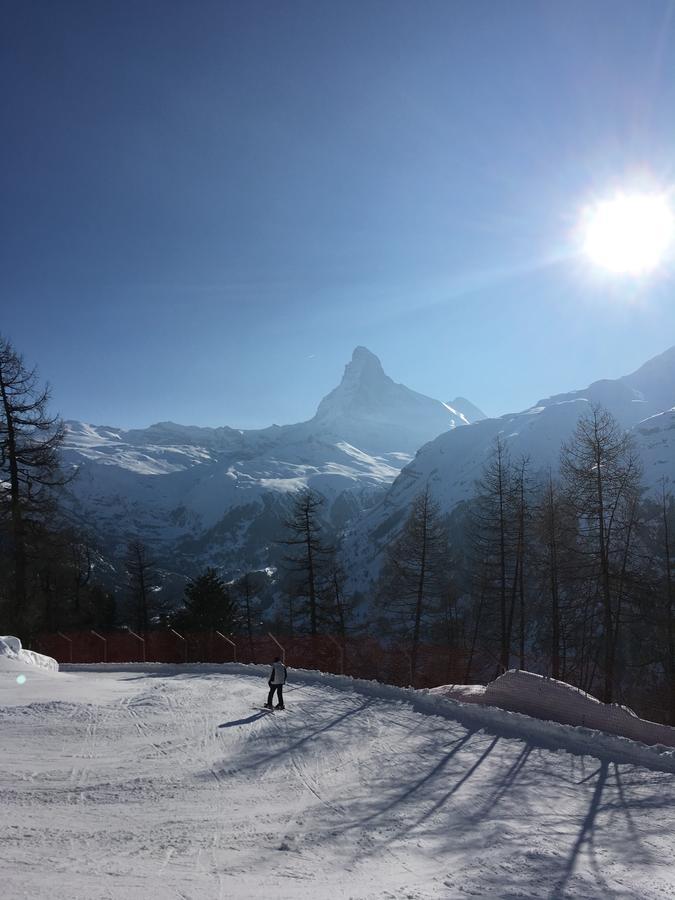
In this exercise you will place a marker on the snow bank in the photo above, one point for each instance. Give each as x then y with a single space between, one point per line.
580 740
467 693
12 651
575 738
556 701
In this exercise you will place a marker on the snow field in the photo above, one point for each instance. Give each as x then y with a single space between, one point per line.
162 782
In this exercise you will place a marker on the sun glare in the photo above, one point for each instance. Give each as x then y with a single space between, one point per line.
630 234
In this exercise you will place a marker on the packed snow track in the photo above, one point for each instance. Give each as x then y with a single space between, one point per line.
166 782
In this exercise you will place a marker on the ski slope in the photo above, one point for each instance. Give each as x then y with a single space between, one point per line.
164 782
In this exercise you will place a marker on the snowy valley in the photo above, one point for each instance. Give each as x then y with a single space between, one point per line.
218 496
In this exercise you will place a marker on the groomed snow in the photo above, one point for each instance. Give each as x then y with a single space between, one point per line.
164 781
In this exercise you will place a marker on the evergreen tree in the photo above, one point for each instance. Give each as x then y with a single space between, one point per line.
209 605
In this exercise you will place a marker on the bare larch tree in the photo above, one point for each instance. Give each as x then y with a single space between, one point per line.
601 474
307 550
30 439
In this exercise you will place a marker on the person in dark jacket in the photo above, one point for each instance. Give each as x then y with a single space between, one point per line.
276 682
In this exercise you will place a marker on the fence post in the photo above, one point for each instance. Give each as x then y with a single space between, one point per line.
182 639
105 644
283 652
232 644
141 639
342 652
70 643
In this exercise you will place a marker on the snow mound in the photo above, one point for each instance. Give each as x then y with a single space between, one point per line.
555 701
12 651
12 642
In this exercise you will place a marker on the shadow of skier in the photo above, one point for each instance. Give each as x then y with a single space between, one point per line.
246 721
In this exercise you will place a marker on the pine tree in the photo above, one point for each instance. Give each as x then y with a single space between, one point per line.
209 605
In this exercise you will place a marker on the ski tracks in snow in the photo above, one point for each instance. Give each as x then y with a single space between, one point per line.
168 786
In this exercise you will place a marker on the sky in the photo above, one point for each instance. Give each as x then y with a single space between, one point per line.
207 205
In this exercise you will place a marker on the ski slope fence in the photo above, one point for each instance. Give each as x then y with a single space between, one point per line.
365 657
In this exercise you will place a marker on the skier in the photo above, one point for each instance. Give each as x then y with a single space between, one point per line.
276 683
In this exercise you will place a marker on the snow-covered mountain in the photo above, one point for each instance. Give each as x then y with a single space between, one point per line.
643 402
217 495
466 410
369 410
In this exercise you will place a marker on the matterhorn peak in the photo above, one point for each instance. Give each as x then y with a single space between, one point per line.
371 411
363 365
363 356
363 388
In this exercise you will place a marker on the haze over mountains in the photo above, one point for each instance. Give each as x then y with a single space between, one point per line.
218 496
642 402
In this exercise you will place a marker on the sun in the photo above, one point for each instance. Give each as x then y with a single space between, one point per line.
629 234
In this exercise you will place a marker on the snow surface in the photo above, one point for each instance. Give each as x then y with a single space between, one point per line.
164 781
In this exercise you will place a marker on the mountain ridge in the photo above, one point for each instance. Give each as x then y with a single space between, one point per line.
449 465
224 491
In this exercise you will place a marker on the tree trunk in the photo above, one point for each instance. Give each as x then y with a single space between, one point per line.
670 619
505 649
249 624
608 625
553 568
339 607
474 638
419 602
310 577
18 532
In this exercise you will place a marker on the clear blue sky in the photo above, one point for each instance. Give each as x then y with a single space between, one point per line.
207 205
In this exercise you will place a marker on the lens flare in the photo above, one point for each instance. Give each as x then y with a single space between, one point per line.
20 679
629 234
